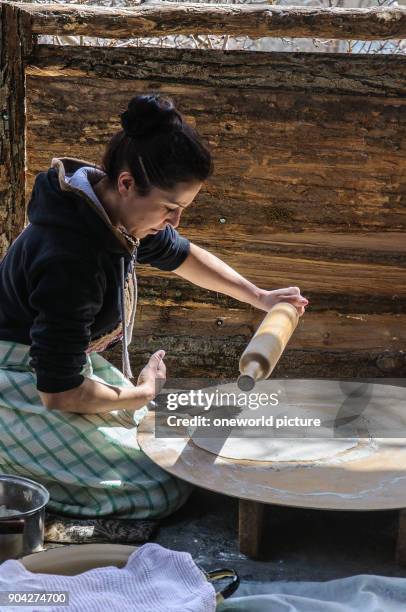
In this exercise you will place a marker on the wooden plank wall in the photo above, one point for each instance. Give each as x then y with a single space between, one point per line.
310 182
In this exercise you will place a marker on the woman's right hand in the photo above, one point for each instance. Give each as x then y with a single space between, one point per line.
153 376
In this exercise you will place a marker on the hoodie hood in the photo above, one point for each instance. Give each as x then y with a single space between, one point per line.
56 202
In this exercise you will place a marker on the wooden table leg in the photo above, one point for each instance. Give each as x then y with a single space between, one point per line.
401 539
251 527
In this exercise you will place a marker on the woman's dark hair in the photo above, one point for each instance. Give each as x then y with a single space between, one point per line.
157 146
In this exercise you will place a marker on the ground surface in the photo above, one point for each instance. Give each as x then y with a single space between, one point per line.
306 545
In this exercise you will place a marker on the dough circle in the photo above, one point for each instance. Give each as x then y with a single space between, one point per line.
282 449
270 445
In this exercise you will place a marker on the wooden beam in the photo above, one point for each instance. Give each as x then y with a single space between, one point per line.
382 248
167 290
327 330
334 277
401 539
335 73
15 46
254 21
210 357
251 527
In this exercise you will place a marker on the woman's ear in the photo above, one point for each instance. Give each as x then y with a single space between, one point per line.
125 183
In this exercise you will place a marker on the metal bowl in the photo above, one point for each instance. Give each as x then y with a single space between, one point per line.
21 533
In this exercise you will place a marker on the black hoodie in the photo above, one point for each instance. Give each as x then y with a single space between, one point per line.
60 279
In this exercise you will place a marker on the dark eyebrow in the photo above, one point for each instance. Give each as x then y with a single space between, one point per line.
176 204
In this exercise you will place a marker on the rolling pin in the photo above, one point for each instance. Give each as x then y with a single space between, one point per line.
267 345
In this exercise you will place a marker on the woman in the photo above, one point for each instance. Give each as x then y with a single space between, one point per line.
68 418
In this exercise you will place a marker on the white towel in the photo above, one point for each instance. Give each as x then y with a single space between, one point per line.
154 579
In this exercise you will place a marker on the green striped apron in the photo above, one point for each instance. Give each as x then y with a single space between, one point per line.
90 463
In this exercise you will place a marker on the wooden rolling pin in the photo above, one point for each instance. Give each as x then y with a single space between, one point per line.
267 345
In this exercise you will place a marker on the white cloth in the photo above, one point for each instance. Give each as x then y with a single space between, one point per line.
361 593
154 579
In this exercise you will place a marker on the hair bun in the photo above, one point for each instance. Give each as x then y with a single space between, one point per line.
149 114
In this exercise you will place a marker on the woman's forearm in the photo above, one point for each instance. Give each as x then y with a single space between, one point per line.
93 397
208 271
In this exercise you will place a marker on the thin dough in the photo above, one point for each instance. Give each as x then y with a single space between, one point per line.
303 445
286 449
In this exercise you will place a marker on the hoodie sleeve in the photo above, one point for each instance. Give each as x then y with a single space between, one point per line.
166 250
66 295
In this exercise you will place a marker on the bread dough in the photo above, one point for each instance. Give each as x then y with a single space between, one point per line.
283 449
272 444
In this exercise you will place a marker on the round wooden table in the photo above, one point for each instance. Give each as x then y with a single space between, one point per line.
373 478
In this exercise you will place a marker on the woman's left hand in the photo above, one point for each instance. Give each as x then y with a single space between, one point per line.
267 299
